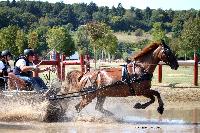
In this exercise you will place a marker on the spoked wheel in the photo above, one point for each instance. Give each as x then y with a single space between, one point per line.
54 112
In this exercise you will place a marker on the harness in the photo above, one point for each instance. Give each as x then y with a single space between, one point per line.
18 71
134 78
125 79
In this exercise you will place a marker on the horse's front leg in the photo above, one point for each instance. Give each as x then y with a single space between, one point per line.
99 106
150 94
143 106
160 108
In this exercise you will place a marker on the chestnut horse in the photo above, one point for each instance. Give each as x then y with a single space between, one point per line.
132 79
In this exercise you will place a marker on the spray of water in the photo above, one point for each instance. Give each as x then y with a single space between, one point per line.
19 108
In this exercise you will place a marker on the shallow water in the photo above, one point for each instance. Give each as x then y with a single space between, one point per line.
21 117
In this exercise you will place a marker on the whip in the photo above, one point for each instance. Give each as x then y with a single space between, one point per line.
49 52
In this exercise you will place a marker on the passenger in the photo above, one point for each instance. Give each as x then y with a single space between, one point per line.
5 67
1 78
24 68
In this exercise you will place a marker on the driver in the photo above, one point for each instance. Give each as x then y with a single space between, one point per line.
24 68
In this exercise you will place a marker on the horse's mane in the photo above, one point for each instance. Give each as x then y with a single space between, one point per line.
147 49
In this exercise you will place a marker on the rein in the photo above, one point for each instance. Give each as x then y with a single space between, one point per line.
149 64
83 92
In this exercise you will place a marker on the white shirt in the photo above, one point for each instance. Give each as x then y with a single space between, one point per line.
2 66
21 63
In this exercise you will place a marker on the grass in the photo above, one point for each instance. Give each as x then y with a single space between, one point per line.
184 75
124 37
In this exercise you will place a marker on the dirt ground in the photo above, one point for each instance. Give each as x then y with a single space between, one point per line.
183 94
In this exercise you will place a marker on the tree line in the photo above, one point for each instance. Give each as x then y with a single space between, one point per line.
42 25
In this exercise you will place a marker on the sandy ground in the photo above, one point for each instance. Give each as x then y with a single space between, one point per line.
179 95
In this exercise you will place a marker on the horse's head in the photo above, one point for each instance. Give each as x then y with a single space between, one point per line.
167 56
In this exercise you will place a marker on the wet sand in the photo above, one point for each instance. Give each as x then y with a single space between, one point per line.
182 114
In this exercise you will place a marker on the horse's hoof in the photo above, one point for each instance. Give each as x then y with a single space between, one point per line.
137 106
160 110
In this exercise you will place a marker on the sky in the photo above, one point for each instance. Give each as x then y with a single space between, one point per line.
141 4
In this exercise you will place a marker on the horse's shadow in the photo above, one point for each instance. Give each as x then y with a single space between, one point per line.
106 113
175 85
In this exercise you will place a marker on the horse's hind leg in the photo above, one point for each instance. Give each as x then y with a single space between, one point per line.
160 108
99 106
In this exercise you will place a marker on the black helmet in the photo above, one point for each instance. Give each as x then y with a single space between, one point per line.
5 53
28 52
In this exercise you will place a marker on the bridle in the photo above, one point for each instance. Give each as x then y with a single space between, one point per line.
165 52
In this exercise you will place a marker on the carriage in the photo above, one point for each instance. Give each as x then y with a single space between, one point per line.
131 79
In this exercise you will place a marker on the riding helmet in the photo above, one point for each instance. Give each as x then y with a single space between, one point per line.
29 52
6 53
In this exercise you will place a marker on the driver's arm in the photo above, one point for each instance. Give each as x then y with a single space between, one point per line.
27 68
22 65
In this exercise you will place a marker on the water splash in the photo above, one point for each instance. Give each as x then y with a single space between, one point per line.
22 109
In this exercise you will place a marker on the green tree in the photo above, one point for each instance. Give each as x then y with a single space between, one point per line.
177 26
21 41
81 40
190 36
67 15
158 33
7 39
147 14
59 38
42 44
100 17
158 15
33 41
57 8
101 36
108 44
120 10
91 8
81 13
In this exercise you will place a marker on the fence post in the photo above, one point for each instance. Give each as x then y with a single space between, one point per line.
58 66
62 68
195 69
82 63
160 73
87 57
